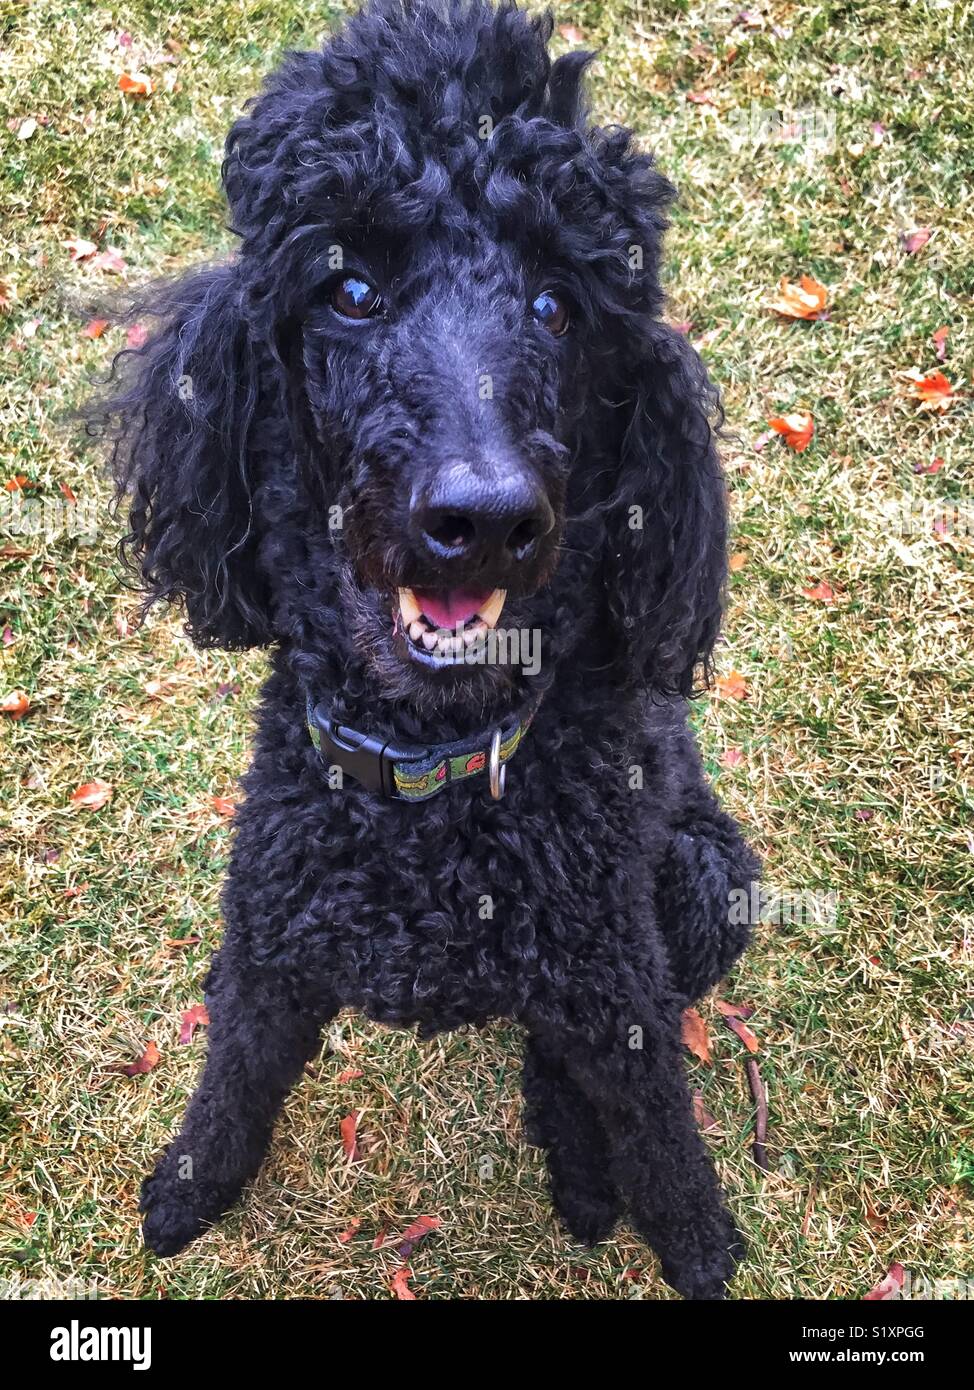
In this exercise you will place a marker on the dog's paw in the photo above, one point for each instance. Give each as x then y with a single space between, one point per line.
705 1266
176 1209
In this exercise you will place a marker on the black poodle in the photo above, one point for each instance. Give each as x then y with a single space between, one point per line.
426 437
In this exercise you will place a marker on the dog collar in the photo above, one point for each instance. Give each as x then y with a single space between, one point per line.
405 773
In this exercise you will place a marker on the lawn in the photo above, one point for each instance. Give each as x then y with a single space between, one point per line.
815 140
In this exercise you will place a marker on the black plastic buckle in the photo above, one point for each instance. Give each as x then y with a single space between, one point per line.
370 761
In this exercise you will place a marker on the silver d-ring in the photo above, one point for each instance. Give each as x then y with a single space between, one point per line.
498 772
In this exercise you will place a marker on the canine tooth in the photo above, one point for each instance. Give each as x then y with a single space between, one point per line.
430 639
449 646
491 610
408 607
416 630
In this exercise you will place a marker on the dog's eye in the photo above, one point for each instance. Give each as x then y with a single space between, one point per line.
355 298
551 312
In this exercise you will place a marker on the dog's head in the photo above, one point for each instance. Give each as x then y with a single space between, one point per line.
431 395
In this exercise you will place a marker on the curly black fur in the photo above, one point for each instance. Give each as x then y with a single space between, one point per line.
256 411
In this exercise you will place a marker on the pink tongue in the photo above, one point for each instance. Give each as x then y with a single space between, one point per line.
447 607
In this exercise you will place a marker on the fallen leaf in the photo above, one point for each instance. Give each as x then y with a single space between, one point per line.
806 300
737 561
731 687
888 1287
17 483
821 592
137 336
146 1062
93 795
733 1010
345 1236
763 440
416 1232
95 328
864 813
797 429
349 1074
915 241
190 1020
81 249
731 757
380 1239
16 704
135 84
875 1222
349 1133
78 891
695 1036
931 389
111 261
701 1114
8 637
701 99
6 297
939 339
67 491
224 806
400 1284
571 33
29 329
743 1032
27 128
934 466
181 942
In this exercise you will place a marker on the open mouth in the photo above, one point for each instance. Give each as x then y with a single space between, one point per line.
447 627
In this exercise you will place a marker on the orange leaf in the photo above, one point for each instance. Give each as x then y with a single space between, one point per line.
67 491
701 1114
731 757
400 1284
821 592
806 300
17 483
931 389
146 1062
695 1035
939 339
743 1032
16 704
224 806
416 1232
349 1132
737 561
93 795
734 1010
95 328
136 84
797 429
196 1017
349 1074
888 1287
346 1235
732 687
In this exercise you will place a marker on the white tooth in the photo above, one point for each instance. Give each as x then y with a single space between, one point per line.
430 640
449 646
473 634
408 606
416 630
491 610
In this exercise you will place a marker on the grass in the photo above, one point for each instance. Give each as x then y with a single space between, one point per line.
850 757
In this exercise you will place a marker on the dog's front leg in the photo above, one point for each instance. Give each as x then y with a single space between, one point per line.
260 1037
560 1118
625 1056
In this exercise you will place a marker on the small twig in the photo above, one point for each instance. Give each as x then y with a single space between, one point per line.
761 1120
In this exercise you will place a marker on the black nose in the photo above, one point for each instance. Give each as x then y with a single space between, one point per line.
491 516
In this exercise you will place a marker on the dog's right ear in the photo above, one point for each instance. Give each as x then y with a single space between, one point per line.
183 458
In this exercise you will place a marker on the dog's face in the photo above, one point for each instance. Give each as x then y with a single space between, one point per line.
448 290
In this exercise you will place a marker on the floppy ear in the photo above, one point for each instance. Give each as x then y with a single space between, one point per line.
183 456
666 542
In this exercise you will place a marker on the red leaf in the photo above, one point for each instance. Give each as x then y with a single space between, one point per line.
346 1235
400 1284
939 340
917 240
135 84
797 428
67 492
413 1234
821 592
146 1062
93 795
734 1010
349 1074
934 466
888 1287
695 1036
743 1032
95 328
731 757
196 1017
349 1132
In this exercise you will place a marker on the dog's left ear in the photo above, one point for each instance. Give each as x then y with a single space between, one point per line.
665 558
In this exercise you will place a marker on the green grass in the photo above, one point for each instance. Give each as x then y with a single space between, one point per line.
856 776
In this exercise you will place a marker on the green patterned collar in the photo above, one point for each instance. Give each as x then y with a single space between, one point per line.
404 773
